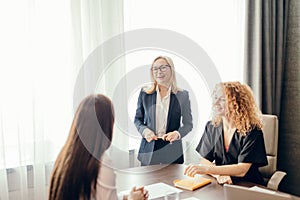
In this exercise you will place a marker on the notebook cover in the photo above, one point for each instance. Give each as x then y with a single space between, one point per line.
191 184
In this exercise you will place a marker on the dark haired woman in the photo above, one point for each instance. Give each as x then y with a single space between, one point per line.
81 170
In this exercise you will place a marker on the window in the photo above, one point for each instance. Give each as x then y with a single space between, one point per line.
216 26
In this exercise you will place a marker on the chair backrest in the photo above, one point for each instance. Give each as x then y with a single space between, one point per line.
270 130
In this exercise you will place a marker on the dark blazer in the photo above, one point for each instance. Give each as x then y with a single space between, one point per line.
179 109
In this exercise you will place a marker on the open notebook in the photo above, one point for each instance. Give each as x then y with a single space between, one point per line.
192 183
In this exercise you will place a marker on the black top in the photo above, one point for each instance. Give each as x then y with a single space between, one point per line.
242 149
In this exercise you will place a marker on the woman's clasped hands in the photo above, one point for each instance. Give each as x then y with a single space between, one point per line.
138 193
171 136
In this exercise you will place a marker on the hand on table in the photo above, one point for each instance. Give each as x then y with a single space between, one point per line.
138 194
222 179
192 170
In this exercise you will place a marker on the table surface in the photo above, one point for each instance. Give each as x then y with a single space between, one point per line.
146 175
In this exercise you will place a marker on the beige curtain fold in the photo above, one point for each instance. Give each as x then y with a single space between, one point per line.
272 69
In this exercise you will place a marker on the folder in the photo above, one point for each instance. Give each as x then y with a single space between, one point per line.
191 183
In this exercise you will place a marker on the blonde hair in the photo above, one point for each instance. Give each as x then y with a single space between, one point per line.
241 108
152 88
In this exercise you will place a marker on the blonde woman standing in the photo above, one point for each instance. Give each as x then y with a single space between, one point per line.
160 110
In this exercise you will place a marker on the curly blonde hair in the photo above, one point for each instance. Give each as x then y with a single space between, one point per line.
241 108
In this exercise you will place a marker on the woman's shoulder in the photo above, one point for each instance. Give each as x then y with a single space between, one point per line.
210 124
182 94
256 130
254 133
212 132
212 128
145 90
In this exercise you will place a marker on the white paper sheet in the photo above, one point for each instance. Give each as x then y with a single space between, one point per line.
157 190
262 190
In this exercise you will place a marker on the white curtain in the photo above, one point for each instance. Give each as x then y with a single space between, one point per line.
43 47
99 51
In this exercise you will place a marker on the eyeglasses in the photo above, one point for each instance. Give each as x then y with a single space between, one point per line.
161 68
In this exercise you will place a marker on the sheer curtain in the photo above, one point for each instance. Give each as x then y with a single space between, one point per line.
35 94
99 50
43 46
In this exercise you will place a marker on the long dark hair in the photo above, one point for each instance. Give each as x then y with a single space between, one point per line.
75 172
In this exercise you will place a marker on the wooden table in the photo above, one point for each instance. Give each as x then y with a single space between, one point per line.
146 175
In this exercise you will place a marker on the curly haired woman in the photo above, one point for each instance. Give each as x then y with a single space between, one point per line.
232 146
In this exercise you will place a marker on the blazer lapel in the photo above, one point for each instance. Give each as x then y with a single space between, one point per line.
172 99
153 111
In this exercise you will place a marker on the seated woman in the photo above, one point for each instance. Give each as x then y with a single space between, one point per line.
81 170
232 146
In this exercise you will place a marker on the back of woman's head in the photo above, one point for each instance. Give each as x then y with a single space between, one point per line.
93 122
76 169
241 107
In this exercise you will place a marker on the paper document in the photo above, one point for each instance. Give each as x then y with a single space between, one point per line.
157 190
259 189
